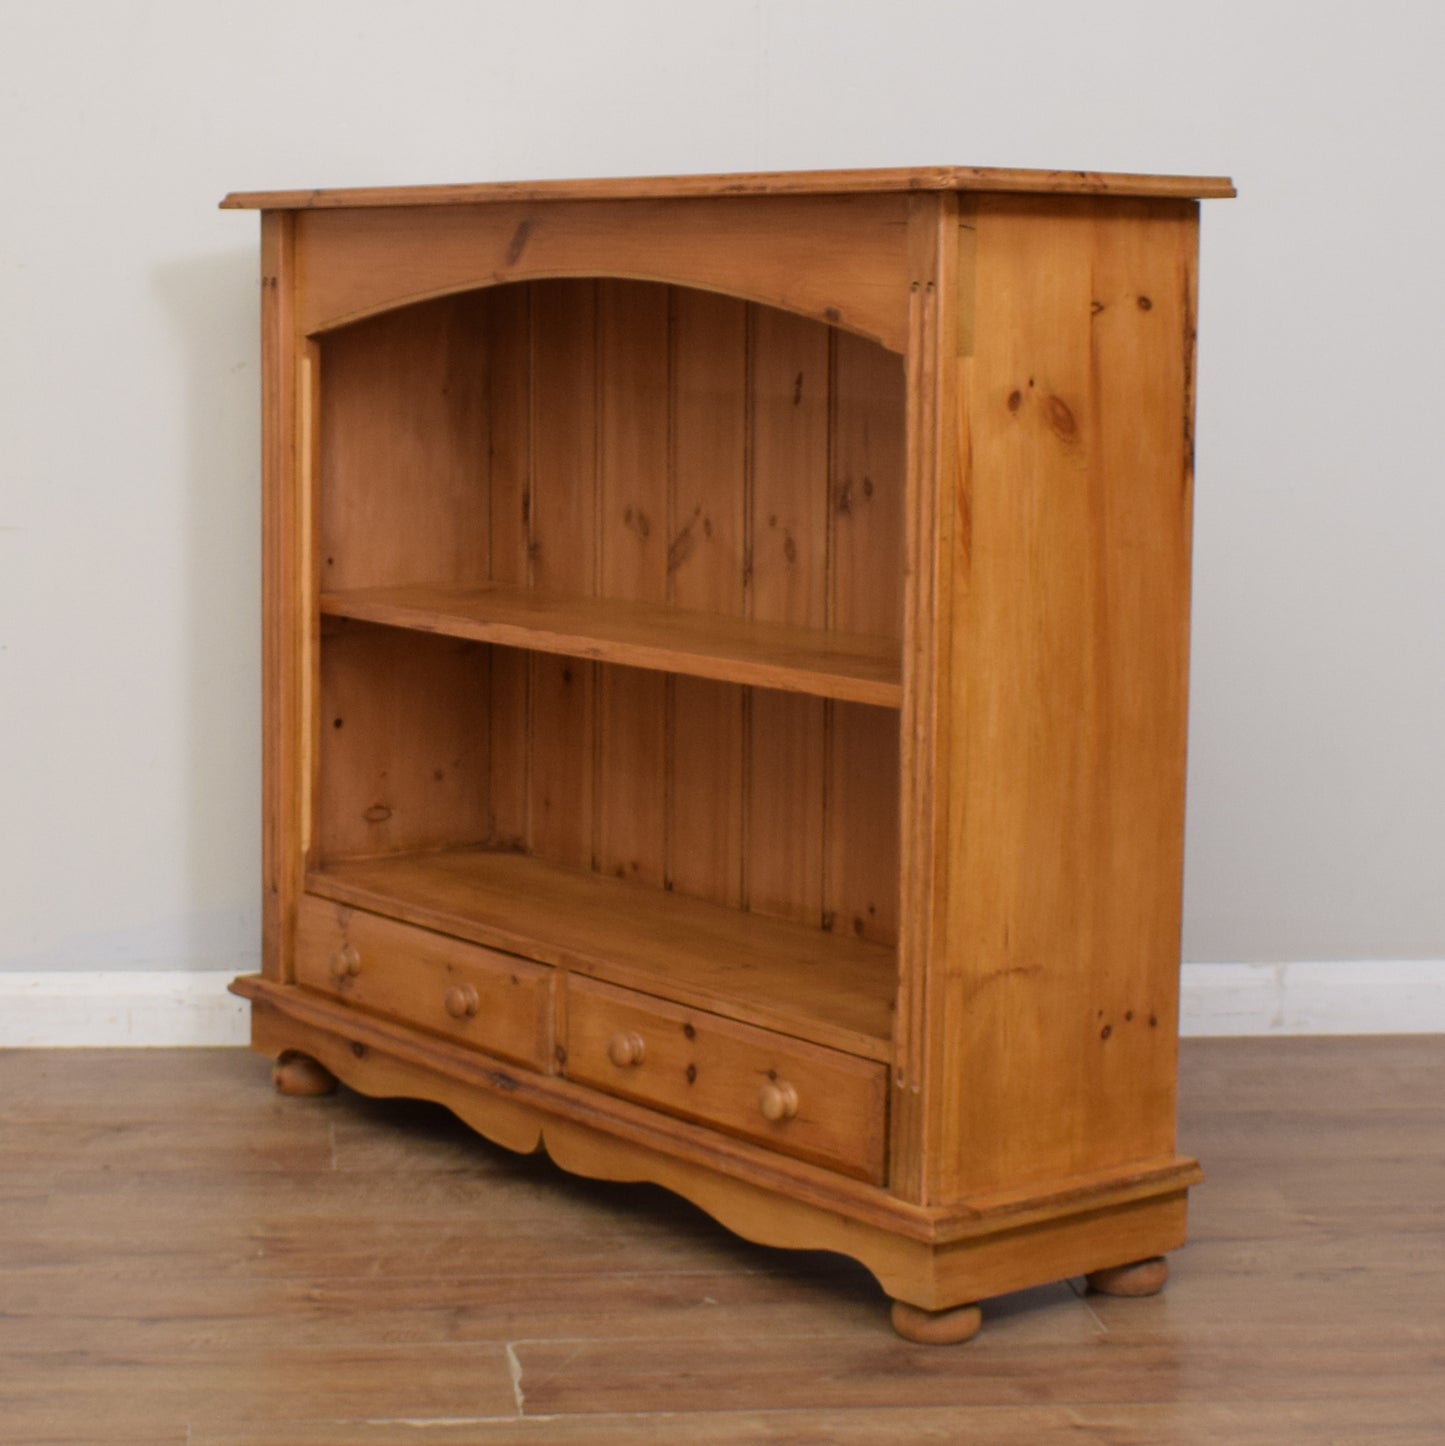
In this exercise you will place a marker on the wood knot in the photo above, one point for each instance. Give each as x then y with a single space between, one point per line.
519 241
1061 417
682 548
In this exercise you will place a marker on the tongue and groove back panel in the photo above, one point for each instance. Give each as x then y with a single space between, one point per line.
635 441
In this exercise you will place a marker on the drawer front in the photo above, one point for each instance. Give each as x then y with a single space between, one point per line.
492 1001
799 1098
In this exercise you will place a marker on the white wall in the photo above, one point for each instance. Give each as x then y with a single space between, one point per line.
129 830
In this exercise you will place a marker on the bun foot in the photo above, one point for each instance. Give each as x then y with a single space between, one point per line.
936 1327
298 1074
1143 1277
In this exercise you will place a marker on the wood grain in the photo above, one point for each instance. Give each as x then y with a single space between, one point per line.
508 323
788 584
707 571
1068 827
936 562
641 634
404 450
765 183
704 1068
404 734
835 259
392 970
633 504
866 515
562 553
284 781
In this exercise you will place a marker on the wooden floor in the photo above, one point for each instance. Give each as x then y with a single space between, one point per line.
187 1257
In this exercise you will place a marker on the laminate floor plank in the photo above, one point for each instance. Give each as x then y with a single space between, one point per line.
569 1378
187 1257
84 1397
176 1316
1395 1424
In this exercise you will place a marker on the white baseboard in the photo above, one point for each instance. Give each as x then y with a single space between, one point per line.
1350 996
60 1008
191 1007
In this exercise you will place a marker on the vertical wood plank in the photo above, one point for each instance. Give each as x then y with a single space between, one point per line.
1068 812
403 448
706 567
404 758
936 545
282 778
1141 497
508 337
861 837
788 583
785 806
706 560
308 467
866 563
509 341
789 524
562 557
865 575
632 321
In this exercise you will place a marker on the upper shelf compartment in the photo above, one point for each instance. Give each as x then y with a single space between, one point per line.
642 635
649 475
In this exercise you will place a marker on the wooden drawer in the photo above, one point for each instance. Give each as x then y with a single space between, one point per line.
808 1101
495 1002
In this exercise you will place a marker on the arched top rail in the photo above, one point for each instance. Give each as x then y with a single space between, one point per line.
839 259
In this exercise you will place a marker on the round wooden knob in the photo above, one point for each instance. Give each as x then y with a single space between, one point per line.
778 1100
626 1050
345 962
461 1001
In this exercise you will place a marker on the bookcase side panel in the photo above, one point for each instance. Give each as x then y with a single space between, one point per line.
1054 1054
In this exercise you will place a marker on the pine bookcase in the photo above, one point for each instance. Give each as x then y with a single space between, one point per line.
726 647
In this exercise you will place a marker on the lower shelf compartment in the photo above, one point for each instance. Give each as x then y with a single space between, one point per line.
830 989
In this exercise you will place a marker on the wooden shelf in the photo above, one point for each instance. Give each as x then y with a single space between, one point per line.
846 666
832 989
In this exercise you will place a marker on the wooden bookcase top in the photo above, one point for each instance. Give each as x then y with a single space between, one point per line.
759 183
